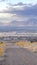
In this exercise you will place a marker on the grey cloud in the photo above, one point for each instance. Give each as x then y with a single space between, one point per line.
29 22
32 22
20 3
27 10
2 0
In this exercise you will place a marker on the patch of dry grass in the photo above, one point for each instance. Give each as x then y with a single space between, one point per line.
23 43
27 44
2 44
1 51
2 48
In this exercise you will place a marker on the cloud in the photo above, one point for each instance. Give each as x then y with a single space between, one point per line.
19 15
18 4
29 22
26 10
22 9
2 0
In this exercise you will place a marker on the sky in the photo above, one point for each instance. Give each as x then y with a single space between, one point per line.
24 1
18 13
17 1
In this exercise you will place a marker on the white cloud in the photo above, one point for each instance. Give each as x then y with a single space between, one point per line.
18 7
18 15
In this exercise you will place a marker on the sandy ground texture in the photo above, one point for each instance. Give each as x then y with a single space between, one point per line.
20 56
